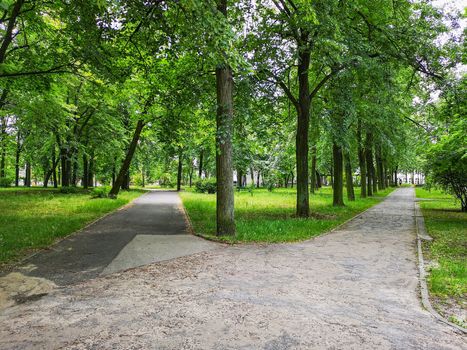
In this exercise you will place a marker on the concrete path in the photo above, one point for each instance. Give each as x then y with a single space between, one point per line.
355 288
152 228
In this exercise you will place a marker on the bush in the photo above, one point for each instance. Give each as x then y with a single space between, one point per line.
447 163
166 180
5 182
100 192
69 189
206 186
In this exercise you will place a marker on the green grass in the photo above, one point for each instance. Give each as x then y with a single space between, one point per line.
35 218
269 216
447 225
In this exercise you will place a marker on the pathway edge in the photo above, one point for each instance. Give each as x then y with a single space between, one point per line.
421 231
21 261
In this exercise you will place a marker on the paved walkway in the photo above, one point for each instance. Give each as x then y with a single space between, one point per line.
353 289
133 236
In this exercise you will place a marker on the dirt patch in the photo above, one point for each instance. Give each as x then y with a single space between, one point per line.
18 288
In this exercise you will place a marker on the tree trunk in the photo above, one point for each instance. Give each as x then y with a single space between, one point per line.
338 183
313 170
17 158
239 178
257 179
54 172
303 125
126 181
224 166
127 161
143 180
200 167
179 171
292 176
369 165
85 171
91 170
349 178
3 135
27 178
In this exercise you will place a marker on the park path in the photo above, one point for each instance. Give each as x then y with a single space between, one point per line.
355 288
152 228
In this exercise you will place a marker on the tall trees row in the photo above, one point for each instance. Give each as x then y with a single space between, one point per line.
290 92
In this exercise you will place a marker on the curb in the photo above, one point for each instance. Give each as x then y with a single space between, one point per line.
421 233
25 259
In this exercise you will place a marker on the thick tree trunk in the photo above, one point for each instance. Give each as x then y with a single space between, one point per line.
179 171
349 178
338 183
224 166
126 181
257 179
127 161
303 125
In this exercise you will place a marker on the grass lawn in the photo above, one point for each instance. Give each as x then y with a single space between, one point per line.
269 216
447 225
35 218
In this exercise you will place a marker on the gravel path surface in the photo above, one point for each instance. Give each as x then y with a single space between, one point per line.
353 289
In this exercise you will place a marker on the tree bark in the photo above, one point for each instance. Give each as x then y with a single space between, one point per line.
303 125
257 179
349 178
313 179
3 135
239 178
200 167
224 164
17 158
369 164
8 35
338 183
54 172
27 178
179 171
85 171
127 161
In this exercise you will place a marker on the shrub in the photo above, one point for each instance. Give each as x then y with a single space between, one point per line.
5 182
166 180
207 185
100 192
447 163
69 189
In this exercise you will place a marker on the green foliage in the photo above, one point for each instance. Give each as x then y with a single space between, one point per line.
167 180
5 181
447 162
206 186
100 192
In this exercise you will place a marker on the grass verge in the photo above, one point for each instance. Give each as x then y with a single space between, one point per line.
446 254
31 219
263 216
